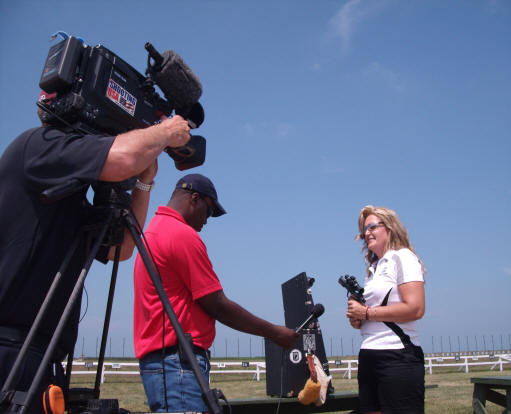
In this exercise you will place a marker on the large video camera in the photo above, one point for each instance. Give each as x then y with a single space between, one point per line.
98 92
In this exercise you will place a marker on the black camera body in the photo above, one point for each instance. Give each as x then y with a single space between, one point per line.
98 92
351 285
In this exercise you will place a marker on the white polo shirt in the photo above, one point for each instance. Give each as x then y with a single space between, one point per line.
393 269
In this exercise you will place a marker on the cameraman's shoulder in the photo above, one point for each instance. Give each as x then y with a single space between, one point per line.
20 142
29 132
43 132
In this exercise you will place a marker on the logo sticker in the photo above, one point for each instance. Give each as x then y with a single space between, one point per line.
295 356
309 342
121 97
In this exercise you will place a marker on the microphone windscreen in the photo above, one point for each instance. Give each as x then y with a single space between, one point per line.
177 81
318 310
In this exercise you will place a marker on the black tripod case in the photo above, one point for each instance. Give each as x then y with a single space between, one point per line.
113 209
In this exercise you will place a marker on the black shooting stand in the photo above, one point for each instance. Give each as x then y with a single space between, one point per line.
113 217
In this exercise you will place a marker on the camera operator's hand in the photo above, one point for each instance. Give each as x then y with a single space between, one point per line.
284 337
176 129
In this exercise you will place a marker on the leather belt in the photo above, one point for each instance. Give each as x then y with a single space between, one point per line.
174 349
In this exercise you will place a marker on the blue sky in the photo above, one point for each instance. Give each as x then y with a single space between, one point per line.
313 110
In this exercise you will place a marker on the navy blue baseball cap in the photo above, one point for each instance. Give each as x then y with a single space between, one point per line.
198 183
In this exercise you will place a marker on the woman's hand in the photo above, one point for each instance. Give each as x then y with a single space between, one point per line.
356 310
356 323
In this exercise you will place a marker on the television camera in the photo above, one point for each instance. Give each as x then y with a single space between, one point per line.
98 92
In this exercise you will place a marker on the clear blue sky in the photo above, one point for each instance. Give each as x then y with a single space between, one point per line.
313 110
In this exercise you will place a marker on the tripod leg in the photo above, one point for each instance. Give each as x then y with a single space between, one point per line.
40 314
106 324
65 315
69 368
209 396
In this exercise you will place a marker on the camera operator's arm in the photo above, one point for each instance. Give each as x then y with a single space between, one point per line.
134 151
224 310
139 206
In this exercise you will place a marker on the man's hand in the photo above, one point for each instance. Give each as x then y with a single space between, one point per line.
284 337
176 129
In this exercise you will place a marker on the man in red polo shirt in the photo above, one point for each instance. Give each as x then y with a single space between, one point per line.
196 296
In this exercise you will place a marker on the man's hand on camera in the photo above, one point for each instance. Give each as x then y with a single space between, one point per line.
284 337
176 129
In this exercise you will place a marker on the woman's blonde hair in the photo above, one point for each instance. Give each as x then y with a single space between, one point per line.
398 236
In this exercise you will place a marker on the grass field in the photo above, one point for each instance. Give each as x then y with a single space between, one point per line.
453 394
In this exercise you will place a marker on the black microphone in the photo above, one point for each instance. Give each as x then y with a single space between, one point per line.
182 89
317 311
177 81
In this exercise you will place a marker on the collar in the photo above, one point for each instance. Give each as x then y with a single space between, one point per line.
385 258
167 211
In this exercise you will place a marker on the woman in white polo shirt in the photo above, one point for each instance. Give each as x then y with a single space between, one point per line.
391 361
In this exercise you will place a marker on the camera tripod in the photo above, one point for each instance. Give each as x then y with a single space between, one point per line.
114 215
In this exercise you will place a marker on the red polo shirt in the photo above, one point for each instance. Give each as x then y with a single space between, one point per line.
187 275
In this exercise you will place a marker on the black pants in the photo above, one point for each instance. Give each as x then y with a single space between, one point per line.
54 374
391 381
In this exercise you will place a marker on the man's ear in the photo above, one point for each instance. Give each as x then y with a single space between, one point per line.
194 198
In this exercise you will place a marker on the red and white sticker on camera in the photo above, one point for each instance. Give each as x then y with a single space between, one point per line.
116 93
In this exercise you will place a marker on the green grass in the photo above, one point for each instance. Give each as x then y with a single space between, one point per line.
453 394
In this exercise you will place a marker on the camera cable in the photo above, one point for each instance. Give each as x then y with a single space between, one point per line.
281 379
86 303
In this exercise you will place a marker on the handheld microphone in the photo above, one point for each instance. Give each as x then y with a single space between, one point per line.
317 311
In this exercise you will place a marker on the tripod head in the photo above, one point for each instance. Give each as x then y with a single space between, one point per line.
109 196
